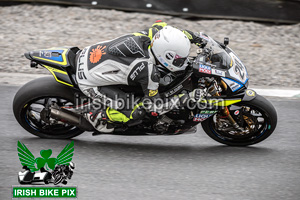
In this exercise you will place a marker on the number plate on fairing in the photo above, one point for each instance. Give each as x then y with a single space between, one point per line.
238 70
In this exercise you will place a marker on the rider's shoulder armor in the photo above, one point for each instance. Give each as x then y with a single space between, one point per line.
129 46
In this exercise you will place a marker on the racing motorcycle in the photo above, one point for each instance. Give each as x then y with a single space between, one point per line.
228 111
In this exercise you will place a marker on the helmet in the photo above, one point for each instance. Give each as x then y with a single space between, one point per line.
72 165
171 47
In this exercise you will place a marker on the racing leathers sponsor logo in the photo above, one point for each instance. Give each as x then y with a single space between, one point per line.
204 69
152 93
80 70
97 53
136 72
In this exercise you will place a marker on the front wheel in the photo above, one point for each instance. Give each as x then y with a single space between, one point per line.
258 117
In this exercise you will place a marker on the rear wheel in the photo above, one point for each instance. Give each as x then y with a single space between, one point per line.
37 95
258 117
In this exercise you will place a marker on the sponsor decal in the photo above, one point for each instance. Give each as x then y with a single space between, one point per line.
236 112
203 36
152 93
201 117
218 72
162 61
188 35
157 36
173 91
208 111
204 69
234 85
97 53
45 169
54 55
45 54
250 93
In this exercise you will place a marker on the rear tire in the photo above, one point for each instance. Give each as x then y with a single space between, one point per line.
261 104
42 88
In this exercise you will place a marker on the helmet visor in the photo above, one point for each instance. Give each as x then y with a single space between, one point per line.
178 61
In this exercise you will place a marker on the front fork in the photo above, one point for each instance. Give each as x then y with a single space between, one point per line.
213 89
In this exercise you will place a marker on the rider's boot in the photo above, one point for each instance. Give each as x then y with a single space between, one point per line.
100 121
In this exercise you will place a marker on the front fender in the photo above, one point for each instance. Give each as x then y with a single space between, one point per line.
222 101
249 95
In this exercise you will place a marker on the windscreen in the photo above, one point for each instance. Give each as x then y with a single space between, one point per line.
218 55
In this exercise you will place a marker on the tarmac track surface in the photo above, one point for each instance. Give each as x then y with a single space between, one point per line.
163 167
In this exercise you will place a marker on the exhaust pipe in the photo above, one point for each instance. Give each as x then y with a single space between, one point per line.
71 118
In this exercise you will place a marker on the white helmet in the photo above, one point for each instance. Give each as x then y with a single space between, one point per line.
171 48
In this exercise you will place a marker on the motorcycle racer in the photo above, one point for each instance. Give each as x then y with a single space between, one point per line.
131 60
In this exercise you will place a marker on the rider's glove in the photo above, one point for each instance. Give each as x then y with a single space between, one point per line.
196 38
196 94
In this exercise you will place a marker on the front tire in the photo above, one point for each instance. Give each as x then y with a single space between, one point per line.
270 121
34 91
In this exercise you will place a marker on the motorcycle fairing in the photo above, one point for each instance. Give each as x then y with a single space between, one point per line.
233 85
60 76
236 76
222 101
249 95
59 61
203 115
215 104
238 70
52 57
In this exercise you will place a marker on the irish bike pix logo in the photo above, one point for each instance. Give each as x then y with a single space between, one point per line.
46 169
